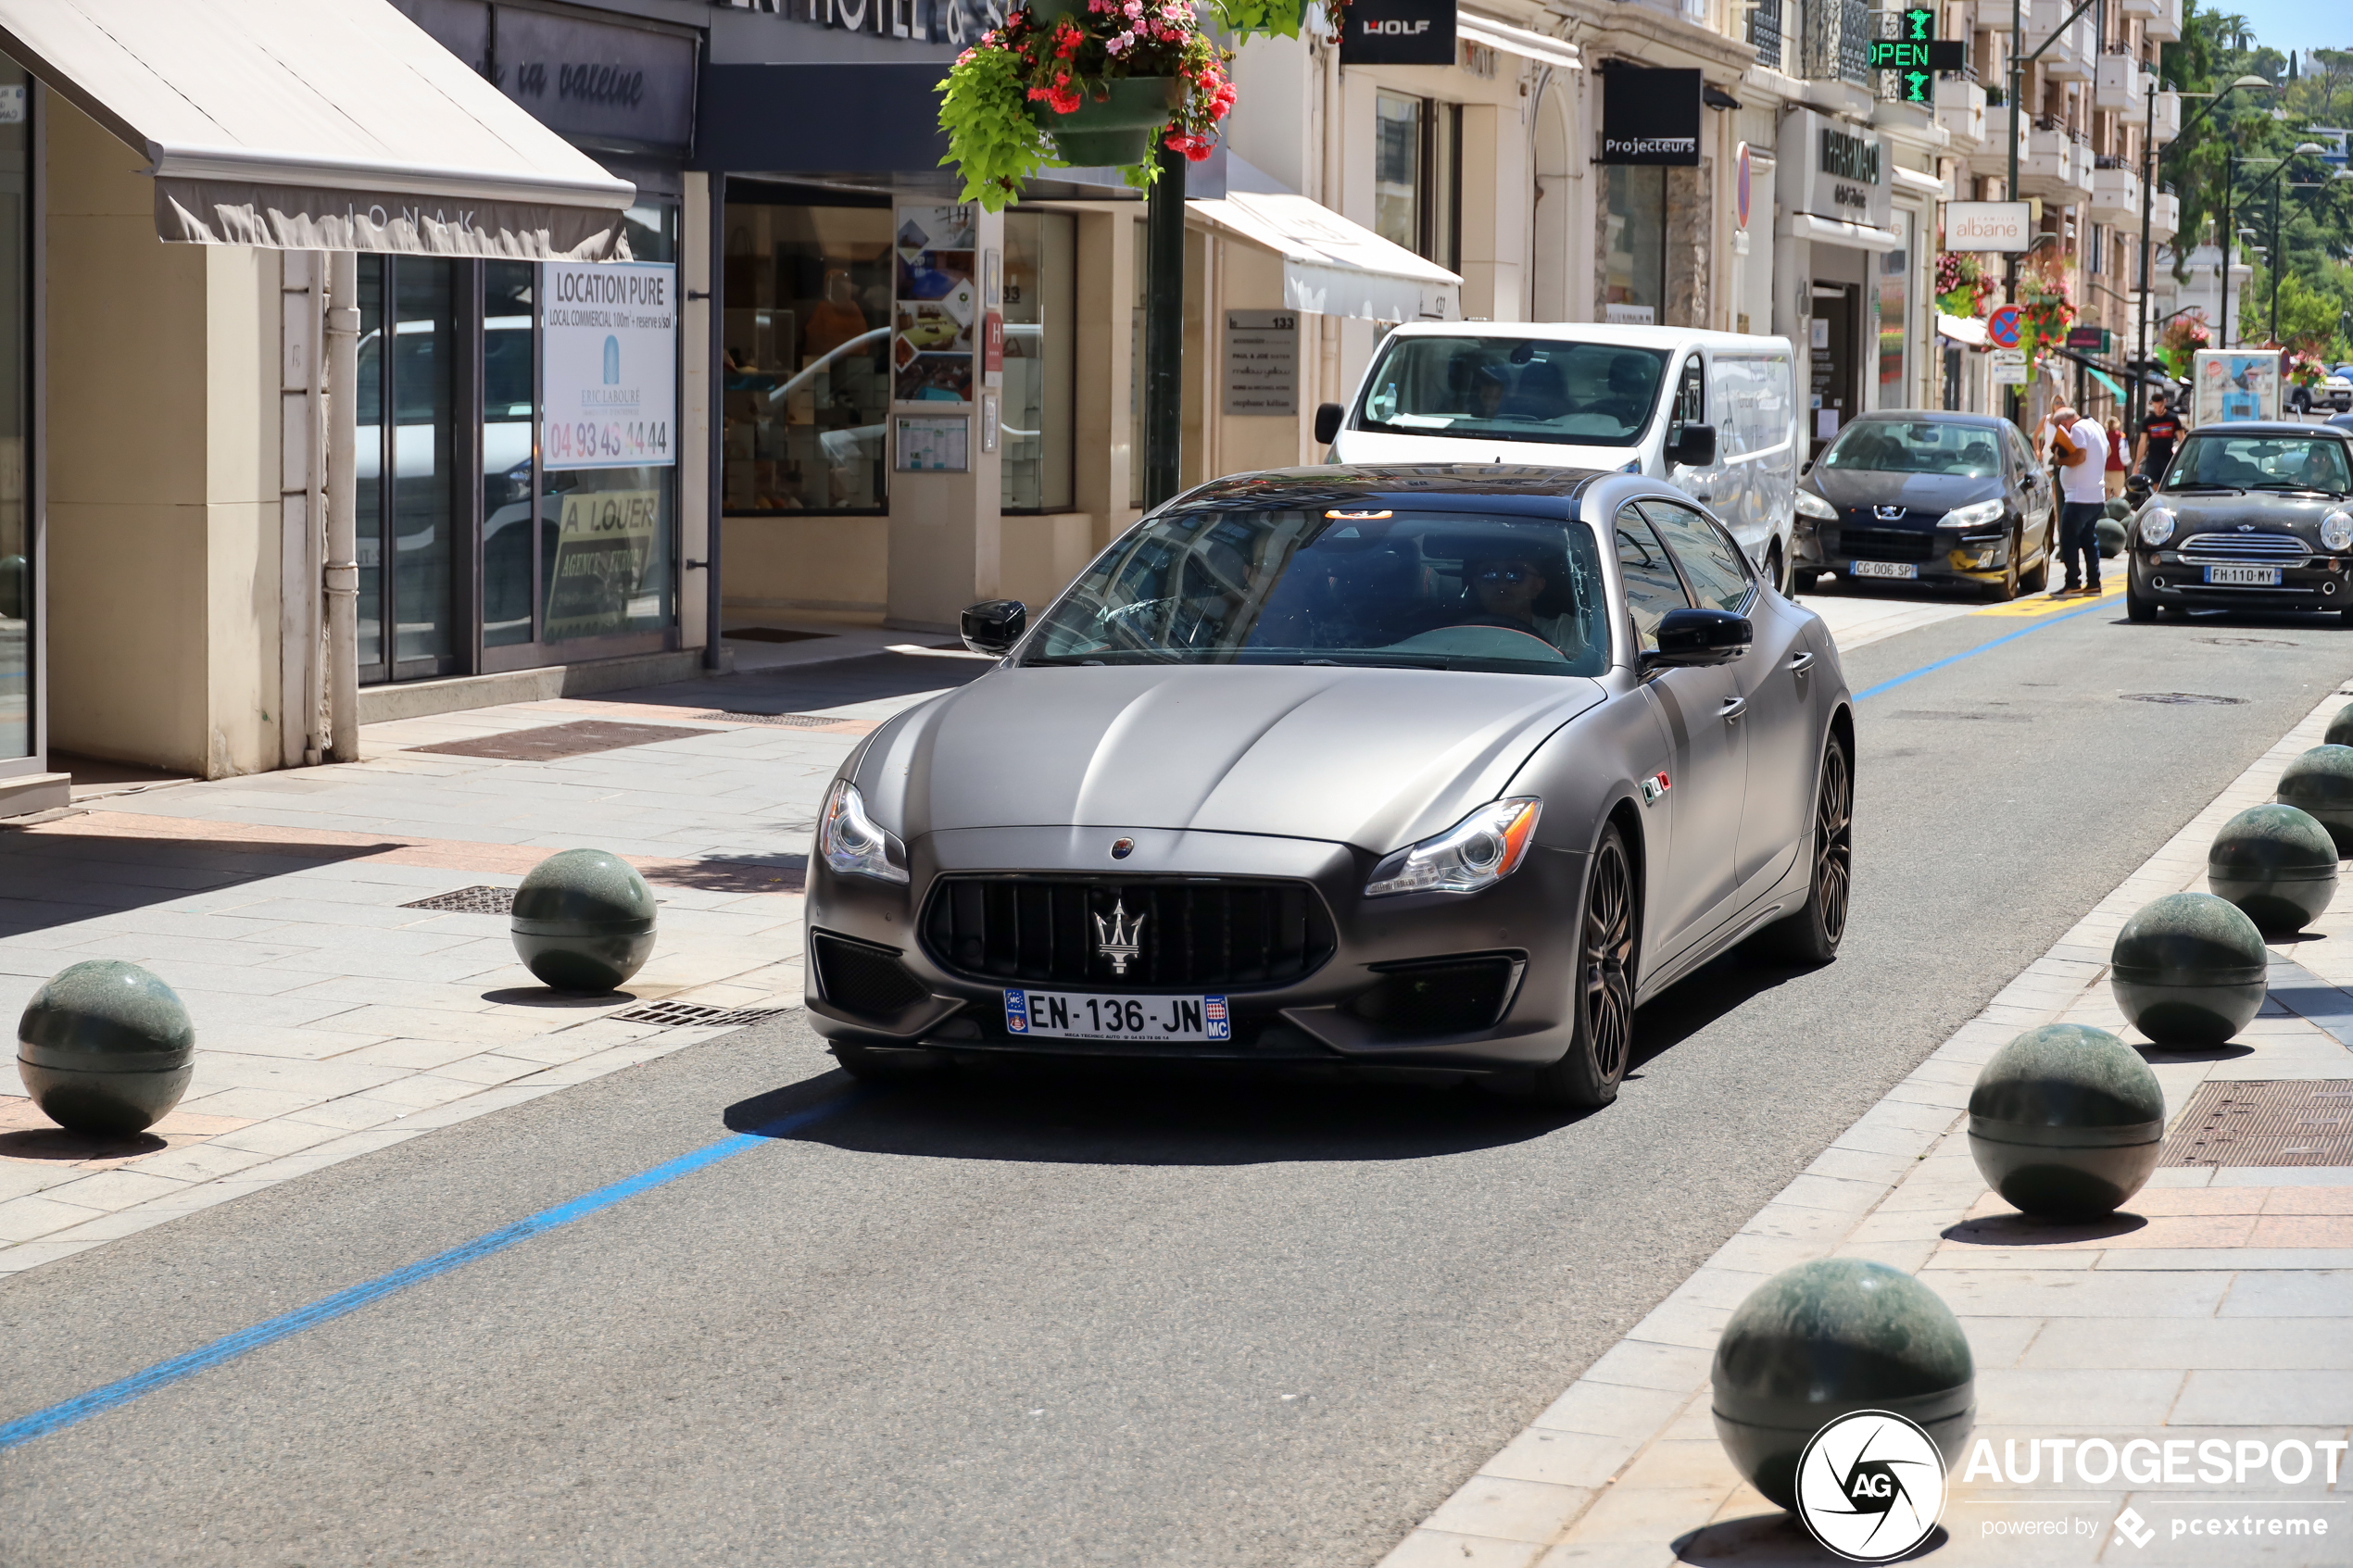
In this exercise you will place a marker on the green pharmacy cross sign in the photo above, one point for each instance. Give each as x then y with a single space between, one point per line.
1916 55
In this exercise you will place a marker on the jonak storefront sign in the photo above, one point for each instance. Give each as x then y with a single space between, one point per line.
1842 170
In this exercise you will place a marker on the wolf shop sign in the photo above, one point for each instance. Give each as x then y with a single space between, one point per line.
1398 32
1649 117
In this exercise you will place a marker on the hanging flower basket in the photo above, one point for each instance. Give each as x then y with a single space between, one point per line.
1114 129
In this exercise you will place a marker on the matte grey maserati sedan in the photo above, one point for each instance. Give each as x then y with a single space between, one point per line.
1437 767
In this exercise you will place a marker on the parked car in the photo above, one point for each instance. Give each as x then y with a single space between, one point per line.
1715 414
2335 392
2248 516
1437 768
1931 497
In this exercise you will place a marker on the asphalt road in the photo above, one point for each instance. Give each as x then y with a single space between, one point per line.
1122 1318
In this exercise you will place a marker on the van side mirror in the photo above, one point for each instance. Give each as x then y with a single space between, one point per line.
993 626
1327 418
1692 638
1805 468
1694 447
2137 488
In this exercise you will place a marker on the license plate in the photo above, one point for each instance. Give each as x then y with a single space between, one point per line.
2244 576
1886 569
1070 1015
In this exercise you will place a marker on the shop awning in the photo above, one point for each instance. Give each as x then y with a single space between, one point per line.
1332 267
317 125
1965 330
1517 41
2105 379
1838 232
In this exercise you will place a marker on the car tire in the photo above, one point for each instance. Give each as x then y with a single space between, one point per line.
870 1064
1801 581
2008 588
2138 611
2037 580
1601 990
1812 933
1776 570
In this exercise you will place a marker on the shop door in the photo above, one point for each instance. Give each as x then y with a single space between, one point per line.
1837 387
411 562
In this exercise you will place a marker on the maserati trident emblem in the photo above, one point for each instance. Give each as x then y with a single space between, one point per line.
1121 939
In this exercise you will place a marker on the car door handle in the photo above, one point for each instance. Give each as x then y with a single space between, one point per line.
1800 663
1733 707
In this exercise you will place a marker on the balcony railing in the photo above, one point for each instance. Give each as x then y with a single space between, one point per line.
1764 32
1836 41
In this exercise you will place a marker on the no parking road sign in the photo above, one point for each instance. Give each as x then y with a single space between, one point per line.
2002 327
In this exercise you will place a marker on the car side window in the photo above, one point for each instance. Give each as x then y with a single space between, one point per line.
1691 396
1651 586
1720 578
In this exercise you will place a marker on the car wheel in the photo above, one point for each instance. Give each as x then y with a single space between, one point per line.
1812 935
2137 609
2007 589
870 1064
1801 581
2037 580
1601 1041
1777 571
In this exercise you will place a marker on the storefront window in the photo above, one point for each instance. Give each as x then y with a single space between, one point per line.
407 533
1895 307
16 540
1041 251
607 560
1397 168
1633 243
808 342
510 404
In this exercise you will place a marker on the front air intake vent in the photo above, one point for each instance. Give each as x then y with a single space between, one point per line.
859 978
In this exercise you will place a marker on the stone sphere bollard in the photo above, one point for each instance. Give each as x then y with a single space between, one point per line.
106 1048
1827 1338
2189 969
584 920
2276 863
2319 784
2340 730
2065 1123
2111 537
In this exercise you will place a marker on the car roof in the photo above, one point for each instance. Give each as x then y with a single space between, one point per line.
1607 334
1516 487
1927 416
2264 427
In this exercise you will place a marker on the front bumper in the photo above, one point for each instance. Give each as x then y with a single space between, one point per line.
1938 555
1529 917
2163 577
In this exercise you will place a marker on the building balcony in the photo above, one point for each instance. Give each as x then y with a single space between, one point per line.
2071 56
2160 20
2121 88
2055 166
2165 216
2166 123
1960 109
2116 197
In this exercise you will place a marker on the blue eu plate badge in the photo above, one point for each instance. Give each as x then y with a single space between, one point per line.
1017 1012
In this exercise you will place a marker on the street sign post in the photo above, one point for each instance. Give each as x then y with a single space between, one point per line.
2004 326
2010 366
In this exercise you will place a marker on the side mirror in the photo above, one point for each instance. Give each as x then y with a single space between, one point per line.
1805 468
1327 418
2137 488
993 626
1690 638
1694 447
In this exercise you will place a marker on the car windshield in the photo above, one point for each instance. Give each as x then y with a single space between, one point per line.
1513 389
1347 584
1916 446
2260 462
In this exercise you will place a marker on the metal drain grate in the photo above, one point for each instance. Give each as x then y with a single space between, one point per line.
790 720
2293 1121
469 901
681 1015
2186 699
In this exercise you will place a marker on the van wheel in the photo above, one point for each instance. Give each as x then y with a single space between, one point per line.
1776 570
1801 581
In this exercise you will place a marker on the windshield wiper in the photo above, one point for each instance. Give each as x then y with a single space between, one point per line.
2178 489
2297 489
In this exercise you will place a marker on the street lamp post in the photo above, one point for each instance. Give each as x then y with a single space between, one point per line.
2279 199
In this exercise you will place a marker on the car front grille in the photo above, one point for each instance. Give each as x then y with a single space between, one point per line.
1203 933
2263 550
1887 544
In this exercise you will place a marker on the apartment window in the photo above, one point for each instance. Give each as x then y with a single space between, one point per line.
1418 167
1038 412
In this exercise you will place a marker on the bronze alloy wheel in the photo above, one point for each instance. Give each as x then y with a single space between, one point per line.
1812 935
1587 1075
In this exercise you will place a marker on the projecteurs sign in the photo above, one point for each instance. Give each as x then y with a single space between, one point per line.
1649 117
1398 32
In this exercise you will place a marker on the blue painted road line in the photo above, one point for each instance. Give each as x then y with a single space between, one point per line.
1981 648
229 1347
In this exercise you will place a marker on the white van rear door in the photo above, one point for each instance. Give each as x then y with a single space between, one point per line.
1754 400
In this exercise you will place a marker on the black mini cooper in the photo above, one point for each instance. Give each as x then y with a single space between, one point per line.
2250 516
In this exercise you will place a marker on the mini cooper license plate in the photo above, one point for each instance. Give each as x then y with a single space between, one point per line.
1069 1015
2244 576
1886 569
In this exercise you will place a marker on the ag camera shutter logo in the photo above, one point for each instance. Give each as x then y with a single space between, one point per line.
1870 1487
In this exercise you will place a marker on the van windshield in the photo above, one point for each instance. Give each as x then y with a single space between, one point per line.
1513 389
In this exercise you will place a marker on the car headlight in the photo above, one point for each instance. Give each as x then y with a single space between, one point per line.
2157 525
1813 506
2336 530
852 843
1977 514
1478 851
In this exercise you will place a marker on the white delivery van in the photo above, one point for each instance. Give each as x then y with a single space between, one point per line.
1715 414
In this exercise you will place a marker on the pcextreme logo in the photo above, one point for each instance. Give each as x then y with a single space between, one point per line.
1870 1487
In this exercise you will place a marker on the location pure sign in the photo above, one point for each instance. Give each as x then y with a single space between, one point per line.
609 354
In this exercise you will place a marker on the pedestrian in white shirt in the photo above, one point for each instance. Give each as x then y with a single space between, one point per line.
2079 450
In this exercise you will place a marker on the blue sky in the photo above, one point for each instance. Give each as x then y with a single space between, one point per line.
2296 24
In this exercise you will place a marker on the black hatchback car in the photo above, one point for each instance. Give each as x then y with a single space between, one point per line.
2252 515
1928 497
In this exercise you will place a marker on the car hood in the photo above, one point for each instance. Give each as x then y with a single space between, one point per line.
1934 494
2260 511
1391 447
1373 757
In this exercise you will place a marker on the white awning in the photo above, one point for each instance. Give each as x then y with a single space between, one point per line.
1332 267
318 125
1964 330
1838 232
1517 41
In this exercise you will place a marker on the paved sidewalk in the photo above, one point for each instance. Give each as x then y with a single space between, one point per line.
333 1015
2219 1305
